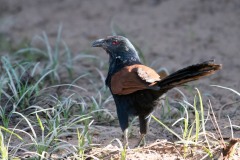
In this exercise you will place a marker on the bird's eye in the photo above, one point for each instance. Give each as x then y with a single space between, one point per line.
115 42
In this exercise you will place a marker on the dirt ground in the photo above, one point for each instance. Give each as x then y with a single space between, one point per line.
172 34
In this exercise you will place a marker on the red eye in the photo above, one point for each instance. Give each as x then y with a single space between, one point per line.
115 42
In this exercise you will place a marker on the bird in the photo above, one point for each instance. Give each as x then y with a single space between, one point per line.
137 88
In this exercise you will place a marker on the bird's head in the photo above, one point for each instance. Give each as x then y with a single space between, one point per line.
118 47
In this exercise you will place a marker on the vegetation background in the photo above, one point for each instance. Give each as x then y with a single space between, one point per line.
53 100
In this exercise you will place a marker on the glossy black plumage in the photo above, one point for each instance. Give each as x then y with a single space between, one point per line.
136 88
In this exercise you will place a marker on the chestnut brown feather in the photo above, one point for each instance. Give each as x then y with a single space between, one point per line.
133 78
136 88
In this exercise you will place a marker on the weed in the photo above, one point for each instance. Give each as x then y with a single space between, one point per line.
3 147
189 134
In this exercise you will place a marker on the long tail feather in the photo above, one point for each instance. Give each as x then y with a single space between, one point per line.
188 74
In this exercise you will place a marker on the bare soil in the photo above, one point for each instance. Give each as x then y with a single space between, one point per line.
171 33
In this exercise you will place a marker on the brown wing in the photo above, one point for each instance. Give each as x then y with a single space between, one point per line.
133 78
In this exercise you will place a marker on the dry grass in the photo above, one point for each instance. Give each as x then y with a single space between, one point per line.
49 109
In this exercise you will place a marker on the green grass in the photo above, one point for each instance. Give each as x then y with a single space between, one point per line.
193 133
30 89
40 111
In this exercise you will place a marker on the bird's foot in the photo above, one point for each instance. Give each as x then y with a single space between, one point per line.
142 141
125 143
125 139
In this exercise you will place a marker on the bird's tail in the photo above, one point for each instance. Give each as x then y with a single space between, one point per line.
188 74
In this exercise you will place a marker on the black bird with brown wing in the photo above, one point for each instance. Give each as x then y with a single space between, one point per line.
135 87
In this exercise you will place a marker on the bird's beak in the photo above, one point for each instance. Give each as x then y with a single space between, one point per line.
98 43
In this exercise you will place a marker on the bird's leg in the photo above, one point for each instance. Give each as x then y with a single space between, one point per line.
144 122
141 141
125 138
123 121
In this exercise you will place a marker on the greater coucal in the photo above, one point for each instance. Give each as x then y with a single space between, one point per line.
137 88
